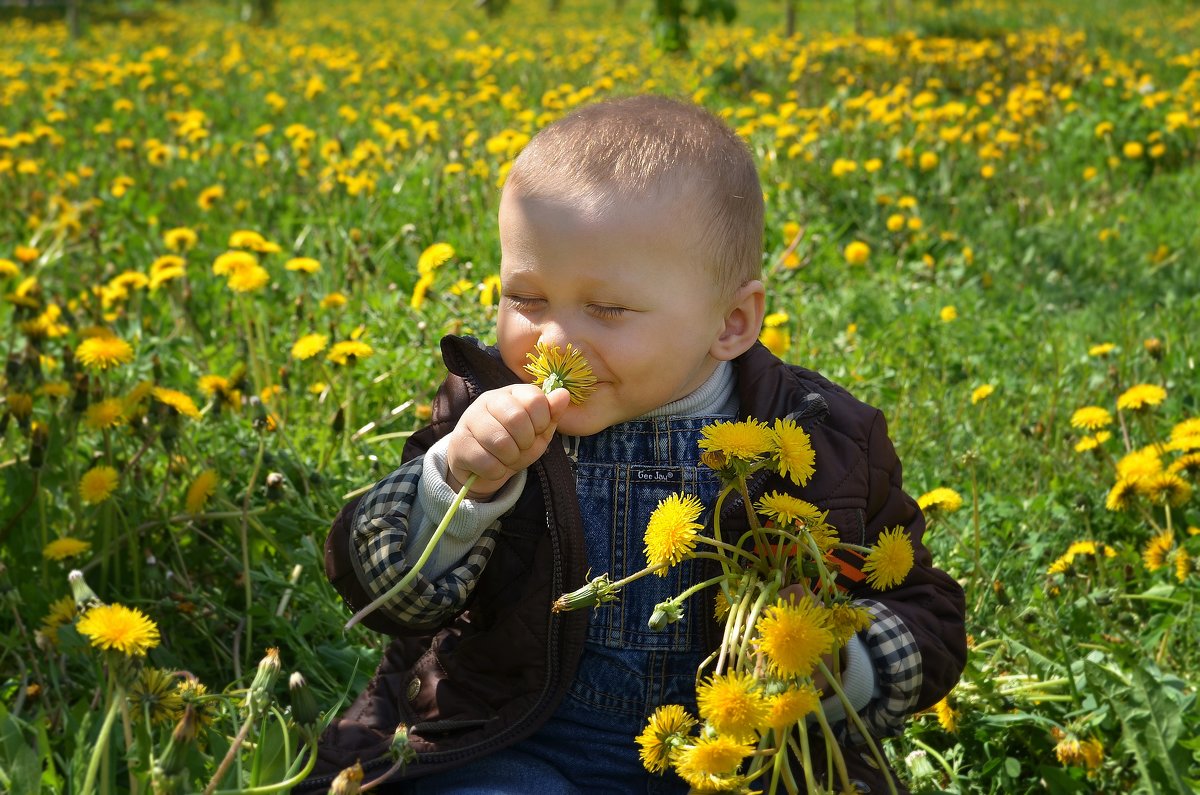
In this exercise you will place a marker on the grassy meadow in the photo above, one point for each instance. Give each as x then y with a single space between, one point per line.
228 252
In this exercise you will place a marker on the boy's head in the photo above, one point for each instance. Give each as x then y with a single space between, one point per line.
633 230
653 148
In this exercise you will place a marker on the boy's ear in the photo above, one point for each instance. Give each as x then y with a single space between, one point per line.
743 322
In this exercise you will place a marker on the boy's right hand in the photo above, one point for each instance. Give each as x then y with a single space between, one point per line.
501 433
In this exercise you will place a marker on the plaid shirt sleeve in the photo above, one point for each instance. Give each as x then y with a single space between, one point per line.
380 559
898 675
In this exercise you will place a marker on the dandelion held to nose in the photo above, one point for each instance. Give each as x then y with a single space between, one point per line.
551 369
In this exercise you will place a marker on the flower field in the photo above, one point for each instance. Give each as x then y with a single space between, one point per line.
228 252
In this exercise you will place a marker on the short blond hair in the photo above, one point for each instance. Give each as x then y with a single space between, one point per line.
634 147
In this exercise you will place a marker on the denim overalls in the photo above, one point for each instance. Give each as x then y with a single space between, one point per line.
627 669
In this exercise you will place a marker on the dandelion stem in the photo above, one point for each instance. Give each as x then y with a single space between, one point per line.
282 786
853 716
101 748
416 567
245 539
234 747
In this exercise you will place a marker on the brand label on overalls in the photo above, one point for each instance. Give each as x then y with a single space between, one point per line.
649 475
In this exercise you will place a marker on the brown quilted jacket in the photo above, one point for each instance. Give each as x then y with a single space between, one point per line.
499 670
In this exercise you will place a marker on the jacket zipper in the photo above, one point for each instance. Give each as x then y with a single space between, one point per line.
552 660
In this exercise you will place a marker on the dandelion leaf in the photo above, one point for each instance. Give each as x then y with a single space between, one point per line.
1150 706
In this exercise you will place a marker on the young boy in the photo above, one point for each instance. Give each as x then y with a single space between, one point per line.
631 229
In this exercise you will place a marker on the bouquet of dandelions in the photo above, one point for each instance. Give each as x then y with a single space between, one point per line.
784 616
784 622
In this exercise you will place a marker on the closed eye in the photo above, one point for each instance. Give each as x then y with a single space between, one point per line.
606 312
520 302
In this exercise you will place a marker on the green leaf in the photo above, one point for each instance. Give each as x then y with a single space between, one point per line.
1150 709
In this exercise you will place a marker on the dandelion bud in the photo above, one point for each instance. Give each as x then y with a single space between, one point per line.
85 597
595 592
919 765
39 439
304 705
339 420
1154 348
275 483
347 782
713 459
264 680
665 613
173 760
401 750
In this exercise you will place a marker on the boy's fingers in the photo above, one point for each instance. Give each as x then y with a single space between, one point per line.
559 399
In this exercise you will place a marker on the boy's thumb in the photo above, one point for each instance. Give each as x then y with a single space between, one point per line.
559 400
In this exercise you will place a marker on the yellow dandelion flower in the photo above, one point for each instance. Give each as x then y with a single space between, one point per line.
948 314
62 611
1118 498
309 346
247 280
711 764
103 352
333 301
890 560
941 499
155 694
732 704
181 238
63 548
8 269
55 389
671 531
1139 464
947 716
107 413
1189 427
794 635
847 620
1165 488
1073 753
193 692
1092 442
982 392
19 404
124 629
720 605
209 197
788 708
1103 349
302 264
232 262
348 352
1189 463
856 253
1183 564
176 400
664 732
786 509
1140 396
201 490
1158 550
98 484
553 369
1091 417
246 238
747 440
793 451
434 257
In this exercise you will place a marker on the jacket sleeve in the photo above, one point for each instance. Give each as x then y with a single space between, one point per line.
365 555
917 637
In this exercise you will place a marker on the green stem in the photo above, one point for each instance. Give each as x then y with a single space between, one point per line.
282 786
416 568
101 748
941 760
833 750
245 540
853 716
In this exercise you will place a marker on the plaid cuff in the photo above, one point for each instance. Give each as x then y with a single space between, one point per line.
898 675
381 556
